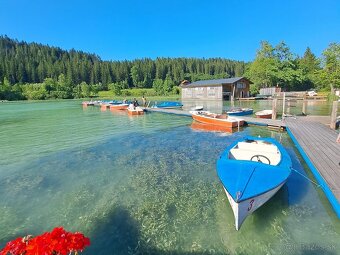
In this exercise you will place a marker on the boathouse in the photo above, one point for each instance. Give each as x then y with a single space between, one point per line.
219 89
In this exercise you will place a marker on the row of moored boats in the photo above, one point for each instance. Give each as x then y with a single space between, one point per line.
130 107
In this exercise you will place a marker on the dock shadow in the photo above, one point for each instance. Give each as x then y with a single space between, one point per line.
119 234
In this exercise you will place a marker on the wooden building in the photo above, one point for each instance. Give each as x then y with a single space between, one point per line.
220 89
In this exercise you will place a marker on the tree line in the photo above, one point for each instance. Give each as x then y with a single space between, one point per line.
36 71
278 66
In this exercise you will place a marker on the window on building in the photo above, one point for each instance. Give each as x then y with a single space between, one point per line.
241 85
212 91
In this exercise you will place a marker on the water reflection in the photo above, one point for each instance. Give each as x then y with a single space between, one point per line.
209 105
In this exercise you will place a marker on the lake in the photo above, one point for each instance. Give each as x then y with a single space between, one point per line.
147 184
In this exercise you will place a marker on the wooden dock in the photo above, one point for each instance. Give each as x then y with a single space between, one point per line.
248 120
317 144
264 122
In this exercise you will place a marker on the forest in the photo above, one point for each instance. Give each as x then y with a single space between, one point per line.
36 71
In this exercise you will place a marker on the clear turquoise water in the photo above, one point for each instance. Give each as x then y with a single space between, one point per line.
144 185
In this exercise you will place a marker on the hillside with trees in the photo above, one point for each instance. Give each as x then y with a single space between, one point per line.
36 71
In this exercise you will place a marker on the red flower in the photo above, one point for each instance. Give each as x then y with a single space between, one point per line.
78 242
56 242
15 247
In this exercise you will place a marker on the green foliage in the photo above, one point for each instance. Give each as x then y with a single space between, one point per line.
168 84
331 63
254 90
278 66
158 86
35 91
139 92
136 76
116 88
176 90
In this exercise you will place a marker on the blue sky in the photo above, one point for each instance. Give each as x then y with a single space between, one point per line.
130 29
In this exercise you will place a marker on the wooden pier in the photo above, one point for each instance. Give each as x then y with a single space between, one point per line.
317 144
315 141
248 120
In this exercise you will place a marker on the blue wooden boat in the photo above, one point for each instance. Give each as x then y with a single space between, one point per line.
167 105
251 171
240 111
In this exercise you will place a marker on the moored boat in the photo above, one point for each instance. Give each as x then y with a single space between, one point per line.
197 108
88 103
104 106
265 114
114 107
135 110
251 171
216 119
167 105
240 111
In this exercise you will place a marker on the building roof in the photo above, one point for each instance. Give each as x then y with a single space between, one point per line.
213 82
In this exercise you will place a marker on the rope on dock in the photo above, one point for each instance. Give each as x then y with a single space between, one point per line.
304 176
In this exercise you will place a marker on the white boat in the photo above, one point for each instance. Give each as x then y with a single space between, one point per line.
265 114
197 108
252 170
135 110
216 119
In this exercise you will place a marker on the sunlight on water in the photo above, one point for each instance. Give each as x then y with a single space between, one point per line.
144 185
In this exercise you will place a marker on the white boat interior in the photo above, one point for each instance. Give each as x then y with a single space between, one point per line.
256 150
264 112
198 108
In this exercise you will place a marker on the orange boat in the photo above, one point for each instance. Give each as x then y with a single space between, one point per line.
103 107
114 107
135 110
216 119
265 114
211 128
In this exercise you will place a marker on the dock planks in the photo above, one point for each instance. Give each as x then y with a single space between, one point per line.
264 122
318 146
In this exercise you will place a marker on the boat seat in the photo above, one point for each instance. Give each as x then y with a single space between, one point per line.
245 154
258 146
221 116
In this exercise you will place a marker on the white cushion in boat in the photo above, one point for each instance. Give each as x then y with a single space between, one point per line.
245 154
257 146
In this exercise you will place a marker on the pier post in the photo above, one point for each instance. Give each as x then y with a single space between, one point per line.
334 115
283 104
304 106
274 106
288 106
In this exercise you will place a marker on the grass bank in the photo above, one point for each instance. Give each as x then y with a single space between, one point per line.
149 94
